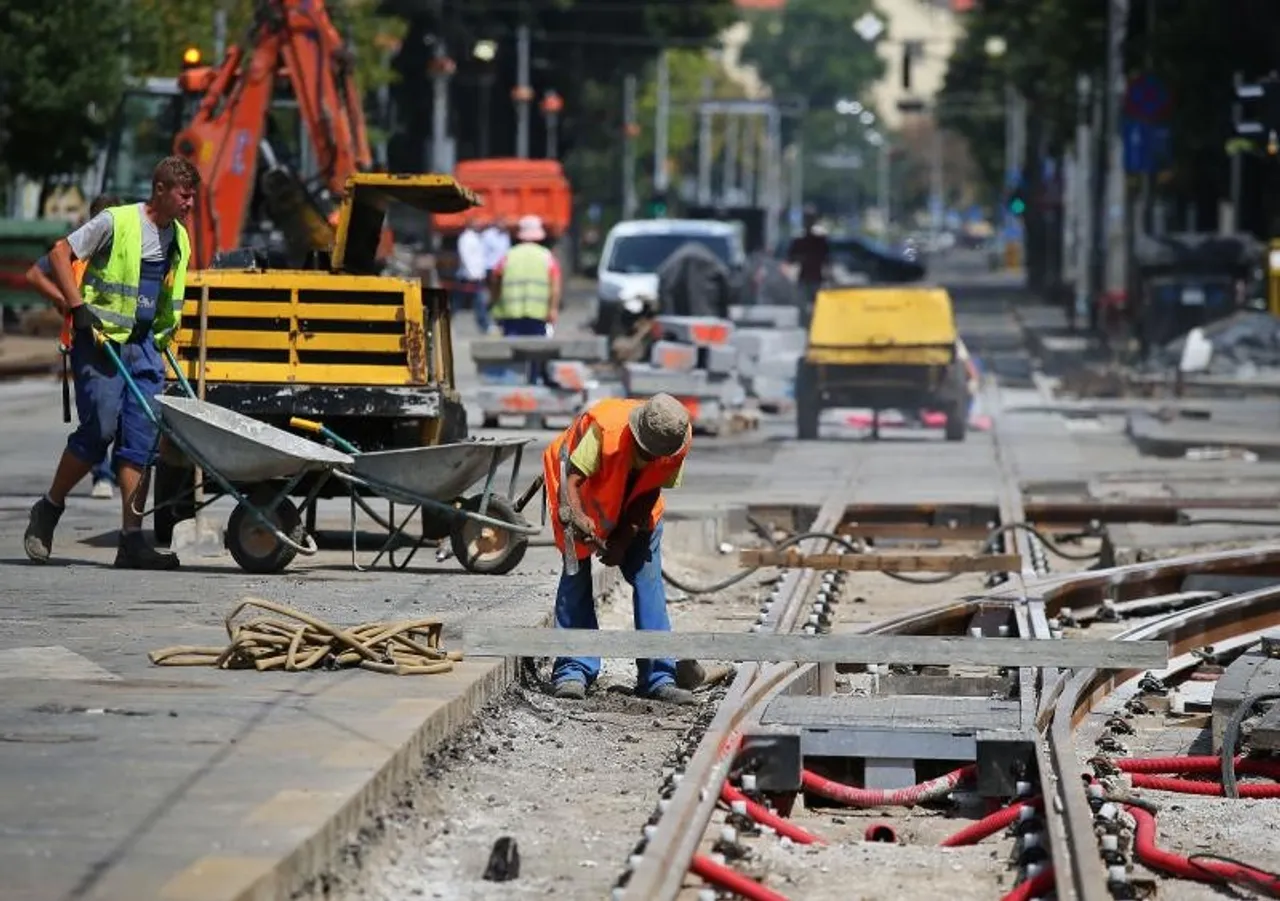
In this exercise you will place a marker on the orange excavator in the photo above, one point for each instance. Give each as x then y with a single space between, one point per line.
292 58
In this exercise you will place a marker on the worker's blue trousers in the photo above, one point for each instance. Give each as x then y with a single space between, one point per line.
576 609
107 409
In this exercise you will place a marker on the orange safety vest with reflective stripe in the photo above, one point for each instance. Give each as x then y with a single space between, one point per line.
604 495
64 340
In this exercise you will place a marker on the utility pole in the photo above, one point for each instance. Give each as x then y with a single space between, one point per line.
883 187
629 148
1116 227
524 92
442 68
935 188
755 163
1084 199
732 125
219 33
660 126
704 146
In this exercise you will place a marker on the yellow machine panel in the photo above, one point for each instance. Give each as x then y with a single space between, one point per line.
314 327
881 318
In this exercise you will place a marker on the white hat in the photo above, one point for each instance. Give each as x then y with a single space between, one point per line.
530 229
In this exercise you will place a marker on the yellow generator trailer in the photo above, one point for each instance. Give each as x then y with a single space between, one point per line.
882 348
371 355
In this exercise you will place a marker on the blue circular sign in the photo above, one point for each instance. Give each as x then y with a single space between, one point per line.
1147 99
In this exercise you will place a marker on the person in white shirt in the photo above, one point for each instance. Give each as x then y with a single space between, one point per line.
473 273
497 241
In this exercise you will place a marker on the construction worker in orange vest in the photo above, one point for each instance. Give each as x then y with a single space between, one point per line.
607 472
40 276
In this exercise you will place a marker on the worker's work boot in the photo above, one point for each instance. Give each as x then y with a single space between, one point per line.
570 690
37 541
135 553
670 693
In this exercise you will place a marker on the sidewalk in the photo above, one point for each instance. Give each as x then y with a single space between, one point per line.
22 355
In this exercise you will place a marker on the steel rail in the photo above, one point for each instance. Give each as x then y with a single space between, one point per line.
664 864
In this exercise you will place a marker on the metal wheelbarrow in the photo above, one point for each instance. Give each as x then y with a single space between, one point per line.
487 531
256 464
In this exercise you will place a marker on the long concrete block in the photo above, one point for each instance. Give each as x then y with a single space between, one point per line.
704 331
722 360
774 366
515 400
762 343
643 380
765 316
591 349
772 390
674 357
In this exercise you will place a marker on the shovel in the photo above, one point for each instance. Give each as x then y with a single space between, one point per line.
200 535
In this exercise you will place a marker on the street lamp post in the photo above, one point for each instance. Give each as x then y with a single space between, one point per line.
552 105
484 52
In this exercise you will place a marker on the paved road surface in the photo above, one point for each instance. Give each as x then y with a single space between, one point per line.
123 780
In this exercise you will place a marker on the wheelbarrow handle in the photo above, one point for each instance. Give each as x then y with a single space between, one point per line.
319 428
177 370
143 401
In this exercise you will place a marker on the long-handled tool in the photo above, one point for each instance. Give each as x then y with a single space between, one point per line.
566 517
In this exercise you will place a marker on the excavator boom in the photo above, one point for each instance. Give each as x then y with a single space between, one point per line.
293 41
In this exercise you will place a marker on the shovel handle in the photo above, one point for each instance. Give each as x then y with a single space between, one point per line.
319 428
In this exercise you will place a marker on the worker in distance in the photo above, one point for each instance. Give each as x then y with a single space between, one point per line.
605 476
131 295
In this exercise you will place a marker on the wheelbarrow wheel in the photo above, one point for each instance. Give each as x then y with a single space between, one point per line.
253 546
487 549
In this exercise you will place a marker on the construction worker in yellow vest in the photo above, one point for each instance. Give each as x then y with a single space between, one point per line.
525 287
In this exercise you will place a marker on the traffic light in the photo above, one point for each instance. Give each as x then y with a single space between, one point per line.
1017 203
658 206
1262 119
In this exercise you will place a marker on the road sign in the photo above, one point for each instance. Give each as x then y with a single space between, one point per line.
1146 147
1146 99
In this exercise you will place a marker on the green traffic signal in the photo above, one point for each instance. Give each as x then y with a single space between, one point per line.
1017 205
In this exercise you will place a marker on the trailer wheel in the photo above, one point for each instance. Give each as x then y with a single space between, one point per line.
808 402
957 423
254 547
486 549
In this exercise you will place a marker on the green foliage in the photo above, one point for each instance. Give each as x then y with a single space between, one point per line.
687 71
61 70
162 29
809 49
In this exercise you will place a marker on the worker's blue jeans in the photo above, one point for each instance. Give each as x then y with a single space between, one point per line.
106 407
576 609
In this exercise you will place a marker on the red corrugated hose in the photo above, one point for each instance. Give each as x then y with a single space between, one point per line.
1201 868
991 824
732 881
1034 887
1201 786
853 796
1245 766
766 817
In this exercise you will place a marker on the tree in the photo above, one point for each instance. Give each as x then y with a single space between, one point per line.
688 70
162 29
61 70
809 49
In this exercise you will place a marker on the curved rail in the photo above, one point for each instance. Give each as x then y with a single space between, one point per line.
1065 700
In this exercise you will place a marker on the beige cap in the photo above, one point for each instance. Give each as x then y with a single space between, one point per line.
660 425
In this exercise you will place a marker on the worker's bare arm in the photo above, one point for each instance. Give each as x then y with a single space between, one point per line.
60 259
39 279
556 290
581 522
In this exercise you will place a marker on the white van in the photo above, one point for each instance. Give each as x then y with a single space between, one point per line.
633 251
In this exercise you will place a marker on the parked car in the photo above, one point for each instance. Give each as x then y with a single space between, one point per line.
635 249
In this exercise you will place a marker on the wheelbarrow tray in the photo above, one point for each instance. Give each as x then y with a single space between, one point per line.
440 473
241 449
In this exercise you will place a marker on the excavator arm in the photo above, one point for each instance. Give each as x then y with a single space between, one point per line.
293 40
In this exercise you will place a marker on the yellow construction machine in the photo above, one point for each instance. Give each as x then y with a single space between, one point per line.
371 355
882 348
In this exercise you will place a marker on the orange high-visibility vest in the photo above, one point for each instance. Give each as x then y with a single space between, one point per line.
603 497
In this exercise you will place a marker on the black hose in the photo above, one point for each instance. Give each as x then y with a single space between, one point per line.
738 577
987 546
1231 737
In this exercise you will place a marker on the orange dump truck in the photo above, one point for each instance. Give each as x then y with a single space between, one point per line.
512 188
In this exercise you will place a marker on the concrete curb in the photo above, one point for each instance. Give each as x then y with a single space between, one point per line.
298 871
